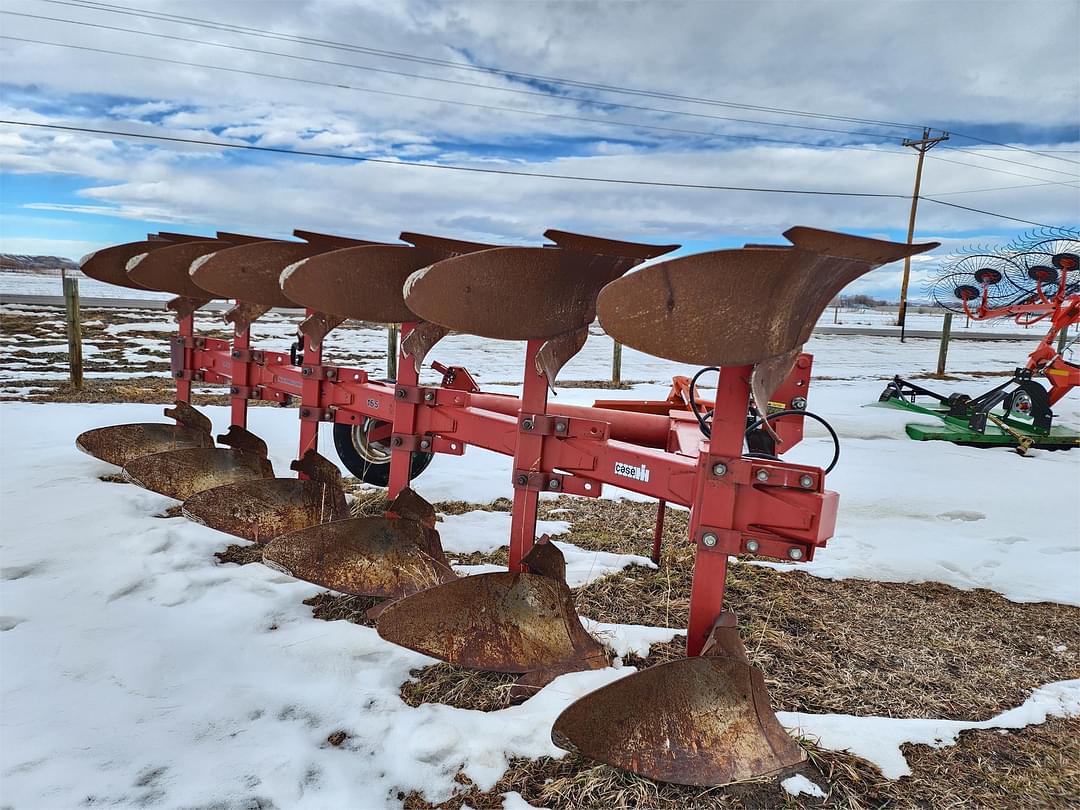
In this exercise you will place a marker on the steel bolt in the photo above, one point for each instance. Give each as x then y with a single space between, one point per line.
396 441
330 374
236 353
527 424
709 540
806 481
522 480
752 546
234 390
560 427
400 393
429 396
305 412
719 468
795 553
554 483
178 374
799 403
306 371
762 475
425 444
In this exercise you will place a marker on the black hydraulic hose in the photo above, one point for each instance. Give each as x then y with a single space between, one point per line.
795 412
706 431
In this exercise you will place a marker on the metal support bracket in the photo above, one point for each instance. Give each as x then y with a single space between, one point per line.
759 544
416 394
309 413
556 482
319 372
412 443
247 356
542 424
245 391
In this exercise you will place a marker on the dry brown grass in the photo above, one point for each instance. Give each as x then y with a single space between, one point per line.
333 607
366 502
848 646
461 688
240 555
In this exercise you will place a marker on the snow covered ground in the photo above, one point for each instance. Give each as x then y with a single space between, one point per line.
137 671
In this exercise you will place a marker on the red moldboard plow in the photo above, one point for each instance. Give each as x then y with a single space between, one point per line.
702 720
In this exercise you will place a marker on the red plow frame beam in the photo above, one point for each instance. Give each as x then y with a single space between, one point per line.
738 505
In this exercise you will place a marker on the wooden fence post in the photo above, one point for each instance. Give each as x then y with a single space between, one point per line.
616 364
392 350
74 330
943 350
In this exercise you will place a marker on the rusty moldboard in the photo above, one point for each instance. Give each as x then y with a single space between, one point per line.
514 293
181 473
364 283
166 268
122 444
740 306
367 556
696 721
503 622
262 509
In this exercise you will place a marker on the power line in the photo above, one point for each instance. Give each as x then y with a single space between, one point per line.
1016 162
443 166
455 102
467 66
478 170
991 169
1007 188
988 213
443 80
1044 152
458 65
498 108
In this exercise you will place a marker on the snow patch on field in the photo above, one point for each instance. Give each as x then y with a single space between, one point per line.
145 673
878 739
485 531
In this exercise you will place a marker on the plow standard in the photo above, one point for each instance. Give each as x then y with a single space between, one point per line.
745 313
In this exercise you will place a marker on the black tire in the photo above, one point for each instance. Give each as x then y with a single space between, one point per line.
367 470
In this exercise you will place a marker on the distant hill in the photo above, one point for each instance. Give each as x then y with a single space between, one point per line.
41 265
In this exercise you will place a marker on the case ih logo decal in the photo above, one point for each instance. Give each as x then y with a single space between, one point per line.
640 473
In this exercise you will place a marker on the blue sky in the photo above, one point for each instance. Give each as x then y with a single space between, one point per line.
67 193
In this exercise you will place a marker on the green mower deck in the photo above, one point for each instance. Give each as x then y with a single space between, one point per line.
956 430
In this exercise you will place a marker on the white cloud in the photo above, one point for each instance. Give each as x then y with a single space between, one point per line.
841 57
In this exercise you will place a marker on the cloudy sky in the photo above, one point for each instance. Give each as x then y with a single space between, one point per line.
779 95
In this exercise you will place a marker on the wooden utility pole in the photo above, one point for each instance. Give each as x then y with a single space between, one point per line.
616 365
922 146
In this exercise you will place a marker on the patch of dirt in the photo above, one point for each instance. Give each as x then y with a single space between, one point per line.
241 555
337 738
334 607
457 687
861 647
